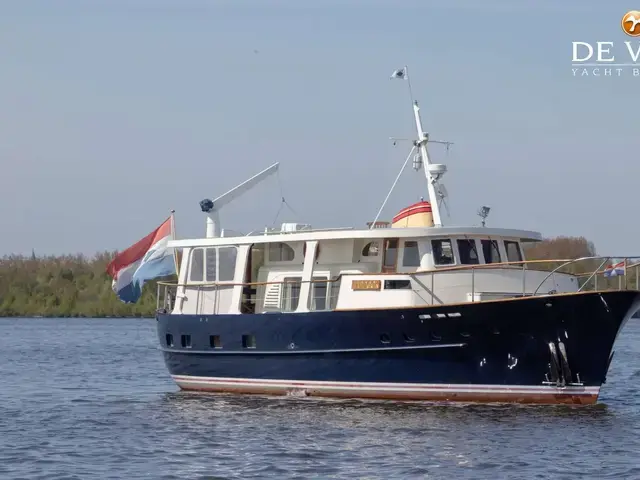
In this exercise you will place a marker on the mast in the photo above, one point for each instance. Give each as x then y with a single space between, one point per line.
423 138
432 171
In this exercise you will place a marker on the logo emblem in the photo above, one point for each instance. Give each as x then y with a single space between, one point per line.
631 23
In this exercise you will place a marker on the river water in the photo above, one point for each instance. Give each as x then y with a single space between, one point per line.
90 398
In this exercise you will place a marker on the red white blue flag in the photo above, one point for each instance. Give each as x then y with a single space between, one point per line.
615 269
147 259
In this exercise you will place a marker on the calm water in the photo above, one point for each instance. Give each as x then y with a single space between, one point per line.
92 399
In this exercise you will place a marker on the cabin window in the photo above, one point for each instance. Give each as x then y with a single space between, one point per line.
212 262
411 255
226 264
390 253
248 341
196 269
442 252
280 252
513 251
371 249
467 251
221 264
319 290
291 293
397 284
491 251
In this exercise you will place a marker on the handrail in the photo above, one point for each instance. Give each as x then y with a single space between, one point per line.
254 284
561 266
276 231
419 277
483 266
593 274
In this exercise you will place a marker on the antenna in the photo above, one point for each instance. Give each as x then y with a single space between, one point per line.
483 213
212 207
433 171
443 194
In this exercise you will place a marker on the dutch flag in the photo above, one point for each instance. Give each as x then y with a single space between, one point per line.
147 259
615 269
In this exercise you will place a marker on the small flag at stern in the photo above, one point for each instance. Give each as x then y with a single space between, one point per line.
616 269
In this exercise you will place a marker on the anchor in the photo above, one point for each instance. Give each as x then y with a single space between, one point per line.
559 369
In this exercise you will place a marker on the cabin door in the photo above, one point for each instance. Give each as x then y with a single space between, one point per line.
255 260
390 255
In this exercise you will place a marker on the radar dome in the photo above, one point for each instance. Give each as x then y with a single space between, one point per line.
416 215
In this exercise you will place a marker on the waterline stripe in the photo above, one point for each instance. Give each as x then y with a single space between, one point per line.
389 387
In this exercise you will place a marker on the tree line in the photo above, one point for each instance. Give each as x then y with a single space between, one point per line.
78 286
66 286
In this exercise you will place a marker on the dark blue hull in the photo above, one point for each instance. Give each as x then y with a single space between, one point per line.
545 349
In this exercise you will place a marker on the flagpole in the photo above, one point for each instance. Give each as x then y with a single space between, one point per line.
406 73
173 237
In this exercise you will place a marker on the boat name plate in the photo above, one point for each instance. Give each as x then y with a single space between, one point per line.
366 285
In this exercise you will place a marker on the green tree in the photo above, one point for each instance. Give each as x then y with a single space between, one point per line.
66 286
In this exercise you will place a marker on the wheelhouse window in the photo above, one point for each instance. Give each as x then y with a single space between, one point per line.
411 255
442 252
491 251
467 251
513 251
371 249
196 268
280 252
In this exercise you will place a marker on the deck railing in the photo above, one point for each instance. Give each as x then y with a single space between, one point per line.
590 273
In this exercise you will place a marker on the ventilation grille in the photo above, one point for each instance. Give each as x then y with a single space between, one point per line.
272 296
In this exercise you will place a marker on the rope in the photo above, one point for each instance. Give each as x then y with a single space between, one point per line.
283 202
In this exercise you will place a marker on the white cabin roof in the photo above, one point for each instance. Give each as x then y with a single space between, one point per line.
375 233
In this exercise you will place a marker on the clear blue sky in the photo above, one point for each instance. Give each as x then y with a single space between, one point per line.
113 112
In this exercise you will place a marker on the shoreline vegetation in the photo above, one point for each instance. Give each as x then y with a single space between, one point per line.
78 286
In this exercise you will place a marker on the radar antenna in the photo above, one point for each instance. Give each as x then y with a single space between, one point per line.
483 213
442 197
